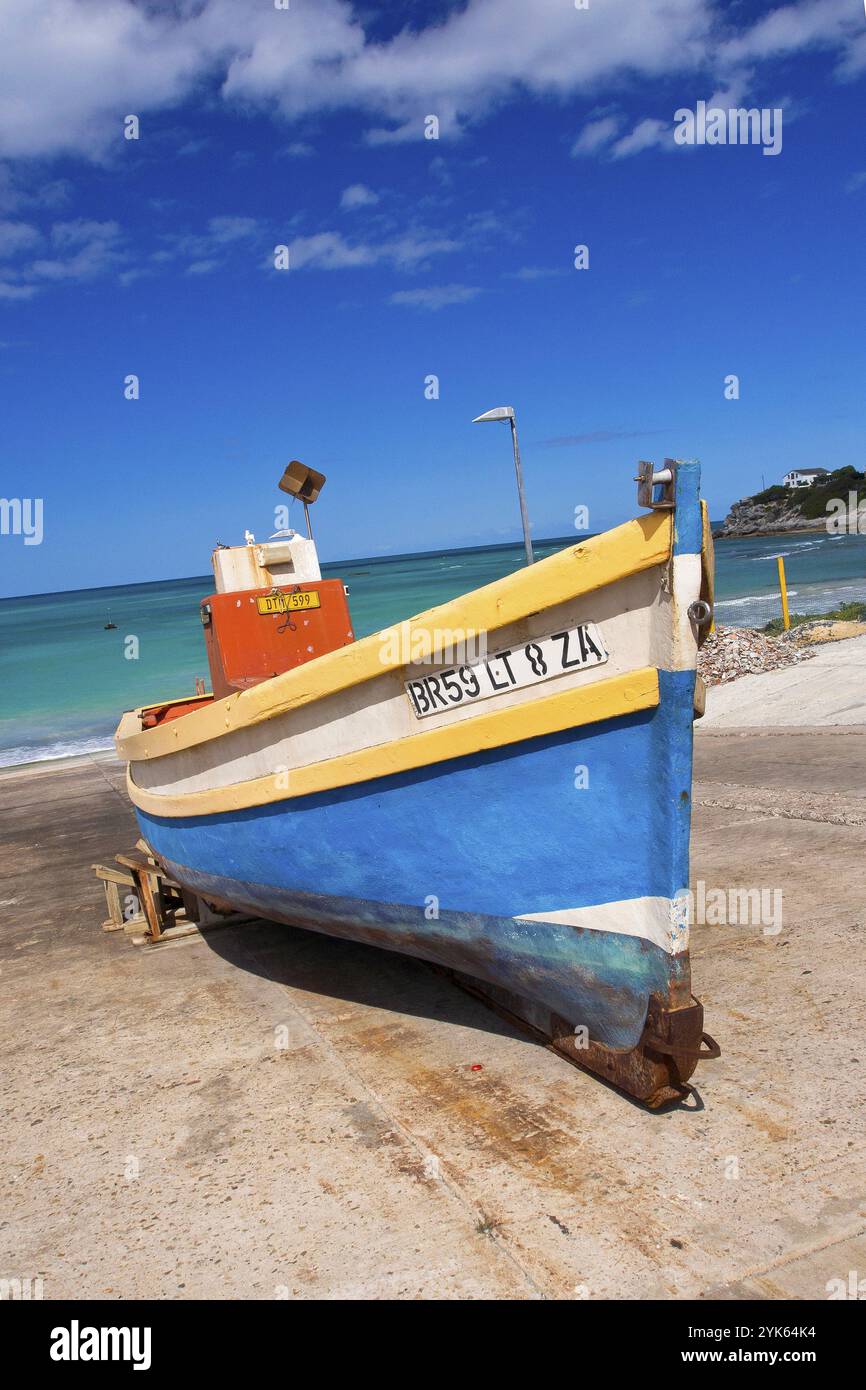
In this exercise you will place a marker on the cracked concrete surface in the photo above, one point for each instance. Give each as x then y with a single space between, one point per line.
270 1113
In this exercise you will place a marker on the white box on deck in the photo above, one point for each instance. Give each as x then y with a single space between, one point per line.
266 565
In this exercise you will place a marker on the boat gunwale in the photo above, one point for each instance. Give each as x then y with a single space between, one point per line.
618 696
630 548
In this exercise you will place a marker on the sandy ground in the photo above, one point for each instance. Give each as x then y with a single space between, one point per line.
268 1113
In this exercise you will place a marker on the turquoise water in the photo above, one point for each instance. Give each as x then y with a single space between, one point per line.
64 679
822 571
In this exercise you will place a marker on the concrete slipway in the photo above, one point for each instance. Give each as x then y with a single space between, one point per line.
403 1142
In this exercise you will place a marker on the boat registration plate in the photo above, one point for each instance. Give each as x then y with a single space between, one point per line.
288 603
524 664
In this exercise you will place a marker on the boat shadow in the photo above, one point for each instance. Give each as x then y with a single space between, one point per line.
352 972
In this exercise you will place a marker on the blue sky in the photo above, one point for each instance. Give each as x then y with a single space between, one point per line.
409 257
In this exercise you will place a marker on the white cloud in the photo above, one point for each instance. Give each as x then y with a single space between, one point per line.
647 135
596 134
331 251
792 28
14 291
226 229
328 251
411 129
72 70
209 249
435 297
536 272
358 195
136 272
69 76
853 61
16 237
441 171
36 192
494 47
80 250
85 250
193 147
856 182
598 137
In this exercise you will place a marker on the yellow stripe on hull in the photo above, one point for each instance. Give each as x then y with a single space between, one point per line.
637 545
608 699
708 557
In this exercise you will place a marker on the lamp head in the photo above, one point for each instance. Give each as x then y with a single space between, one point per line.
301 481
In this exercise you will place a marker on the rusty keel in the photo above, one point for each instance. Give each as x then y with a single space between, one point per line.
656 1072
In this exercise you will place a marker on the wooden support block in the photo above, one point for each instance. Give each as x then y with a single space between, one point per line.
112 898
111 875
159 895
168 911
134 859
139 863
146 877
113 880
190 904
174 933
149 901
186 929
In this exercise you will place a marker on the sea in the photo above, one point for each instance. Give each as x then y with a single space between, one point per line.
65 677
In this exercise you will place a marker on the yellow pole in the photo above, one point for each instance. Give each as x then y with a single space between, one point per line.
783 590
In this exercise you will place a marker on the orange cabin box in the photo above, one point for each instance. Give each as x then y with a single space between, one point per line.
253 634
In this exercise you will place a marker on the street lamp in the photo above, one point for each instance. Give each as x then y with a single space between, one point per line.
506 412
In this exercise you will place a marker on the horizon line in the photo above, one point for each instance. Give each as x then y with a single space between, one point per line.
357 560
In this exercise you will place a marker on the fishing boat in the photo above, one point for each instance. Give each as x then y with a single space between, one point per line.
500 786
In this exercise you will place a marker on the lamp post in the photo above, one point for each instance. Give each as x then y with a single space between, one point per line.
506 412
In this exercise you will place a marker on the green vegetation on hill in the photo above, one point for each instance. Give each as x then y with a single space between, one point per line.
811 502
845 613
776 493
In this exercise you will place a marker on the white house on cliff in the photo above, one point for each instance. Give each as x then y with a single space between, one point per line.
802 477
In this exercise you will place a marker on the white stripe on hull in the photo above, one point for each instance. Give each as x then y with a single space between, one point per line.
663 921
643 621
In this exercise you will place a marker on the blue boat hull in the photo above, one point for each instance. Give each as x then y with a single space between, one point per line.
447 863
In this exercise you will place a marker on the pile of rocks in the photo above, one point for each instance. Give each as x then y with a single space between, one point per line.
730 652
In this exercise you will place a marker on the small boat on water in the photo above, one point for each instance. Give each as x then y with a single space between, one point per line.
500 785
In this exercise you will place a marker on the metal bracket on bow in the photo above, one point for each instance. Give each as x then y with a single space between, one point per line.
656 485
